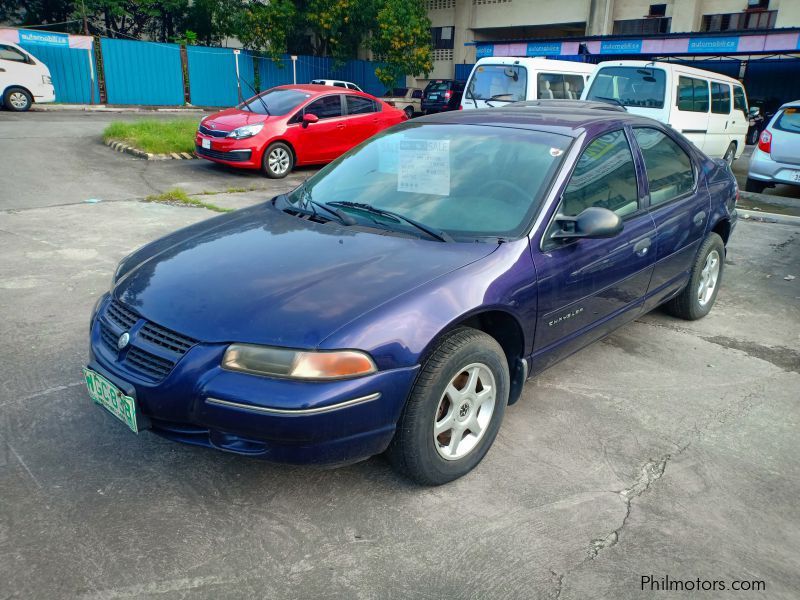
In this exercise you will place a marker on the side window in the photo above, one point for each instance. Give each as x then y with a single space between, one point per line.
692 94
339 84
326 107
357 105
573 86
352 86
604 176
669 168
550 85
10 53
720 98
416 94
739 99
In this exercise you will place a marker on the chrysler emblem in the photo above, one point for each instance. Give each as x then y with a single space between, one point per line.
123 340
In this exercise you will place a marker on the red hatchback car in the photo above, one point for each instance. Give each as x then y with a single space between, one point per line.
293 125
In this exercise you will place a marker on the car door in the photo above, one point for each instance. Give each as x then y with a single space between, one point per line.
691 116
739 119
15 70
719 120
327 138
679 205
587 287
361 118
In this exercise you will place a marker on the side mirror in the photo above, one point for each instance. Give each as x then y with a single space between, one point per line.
593 222
309 118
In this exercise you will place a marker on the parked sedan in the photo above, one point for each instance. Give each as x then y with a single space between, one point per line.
292 125
407 99
400 298
776 159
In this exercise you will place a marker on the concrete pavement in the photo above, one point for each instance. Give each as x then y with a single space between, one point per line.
668 449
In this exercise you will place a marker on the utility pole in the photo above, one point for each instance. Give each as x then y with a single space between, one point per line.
85 21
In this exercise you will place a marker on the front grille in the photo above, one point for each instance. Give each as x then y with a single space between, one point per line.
153 350
240 156
213 132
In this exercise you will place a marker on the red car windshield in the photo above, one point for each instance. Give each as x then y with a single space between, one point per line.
275 101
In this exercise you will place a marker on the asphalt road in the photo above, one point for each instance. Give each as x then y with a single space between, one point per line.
668 449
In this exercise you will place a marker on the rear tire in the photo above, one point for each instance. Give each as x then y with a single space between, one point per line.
461 393
277 161
752 139
17 99
699 295
409 112
754 185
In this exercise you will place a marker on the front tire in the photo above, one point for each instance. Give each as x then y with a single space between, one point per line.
17 99
454 411
754 185
278 161
699 295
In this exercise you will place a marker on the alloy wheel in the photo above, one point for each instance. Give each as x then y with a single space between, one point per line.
708 278
464 411
18 100
279 161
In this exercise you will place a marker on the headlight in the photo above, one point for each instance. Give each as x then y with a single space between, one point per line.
245 132
297 364
47 80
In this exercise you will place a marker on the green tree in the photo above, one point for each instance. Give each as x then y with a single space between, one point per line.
402 39
266 26
340 27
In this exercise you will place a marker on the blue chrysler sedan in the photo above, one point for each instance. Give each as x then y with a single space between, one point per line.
399 299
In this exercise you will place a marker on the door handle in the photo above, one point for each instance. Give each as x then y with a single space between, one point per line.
641 247
699 218
340 126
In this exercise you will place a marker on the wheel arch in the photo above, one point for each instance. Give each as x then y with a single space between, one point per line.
16 86
282 141
723 229
507 330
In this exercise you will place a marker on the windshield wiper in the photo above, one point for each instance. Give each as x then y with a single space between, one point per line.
607 99
496 98
309 207
442 236
266 110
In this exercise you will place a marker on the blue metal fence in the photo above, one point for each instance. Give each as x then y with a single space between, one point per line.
212 76
360 72
70 71
142 72
463 71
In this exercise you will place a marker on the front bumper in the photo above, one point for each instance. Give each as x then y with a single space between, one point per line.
276 419
764 168
236 153
47 93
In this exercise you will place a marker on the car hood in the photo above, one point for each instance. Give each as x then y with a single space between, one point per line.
265 277
231 118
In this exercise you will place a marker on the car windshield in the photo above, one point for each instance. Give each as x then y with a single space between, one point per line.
470 181
277 101
505 83
397 92
630 86
789 120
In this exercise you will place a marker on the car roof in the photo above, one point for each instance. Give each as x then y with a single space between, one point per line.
572 121
570 104
315 88
679 66
792 104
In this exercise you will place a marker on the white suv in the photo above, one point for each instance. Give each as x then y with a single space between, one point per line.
337 83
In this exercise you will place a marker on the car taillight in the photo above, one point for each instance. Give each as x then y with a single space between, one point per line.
447 94
765 141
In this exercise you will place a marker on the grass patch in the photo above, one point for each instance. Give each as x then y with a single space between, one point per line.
230 190
155 136
178 197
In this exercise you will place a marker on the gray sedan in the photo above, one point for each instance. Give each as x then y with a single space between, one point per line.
776 159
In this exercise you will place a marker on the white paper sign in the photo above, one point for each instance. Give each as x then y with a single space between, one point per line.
424 167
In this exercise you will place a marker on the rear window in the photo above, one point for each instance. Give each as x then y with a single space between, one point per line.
504 83
274 101
789 120
397 92
437 86
630 86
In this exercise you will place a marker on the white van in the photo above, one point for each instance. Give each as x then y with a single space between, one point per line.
23 79
498 80
708 108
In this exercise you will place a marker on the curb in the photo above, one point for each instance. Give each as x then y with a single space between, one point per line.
107 108
122 147
765 217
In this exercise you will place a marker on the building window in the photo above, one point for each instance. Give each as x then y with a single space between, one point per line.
439 4
657 10
442 38
490 1
642 26
761 19
442 54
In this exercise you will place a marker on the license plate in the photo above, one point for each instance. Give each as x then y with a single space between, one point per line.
205 143
433 97
105 393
